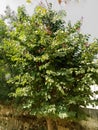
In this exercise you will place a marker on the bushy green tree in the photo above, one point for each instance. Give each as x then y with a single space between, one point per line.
52 64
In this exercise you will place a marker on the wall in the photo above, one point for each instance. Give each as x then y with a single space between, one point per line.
11 119
92 121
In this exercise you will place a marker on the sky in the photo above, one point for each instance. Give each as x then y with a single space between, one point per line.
86 9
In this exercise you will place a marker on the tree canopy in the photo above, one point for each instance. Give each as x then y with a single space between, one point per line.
48 65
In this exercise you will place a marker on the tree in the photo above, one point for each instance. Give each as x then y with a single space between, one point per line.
52 65
4 89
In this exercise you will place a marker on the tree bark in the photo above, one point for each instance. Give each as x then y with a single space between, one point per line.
50 125
62 128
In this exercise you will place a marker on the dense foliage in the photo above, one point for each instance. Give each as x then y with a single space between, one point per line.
3 68
48 65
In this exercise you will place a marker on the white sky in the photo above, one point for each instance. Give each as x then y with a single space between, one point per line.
88 9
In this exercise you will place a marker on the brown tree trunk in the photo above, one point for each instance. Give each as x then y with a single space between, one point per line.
62 128
50 125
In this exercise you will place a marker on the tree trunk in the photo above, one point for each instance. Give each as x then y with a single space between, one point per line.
62 128
50 125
